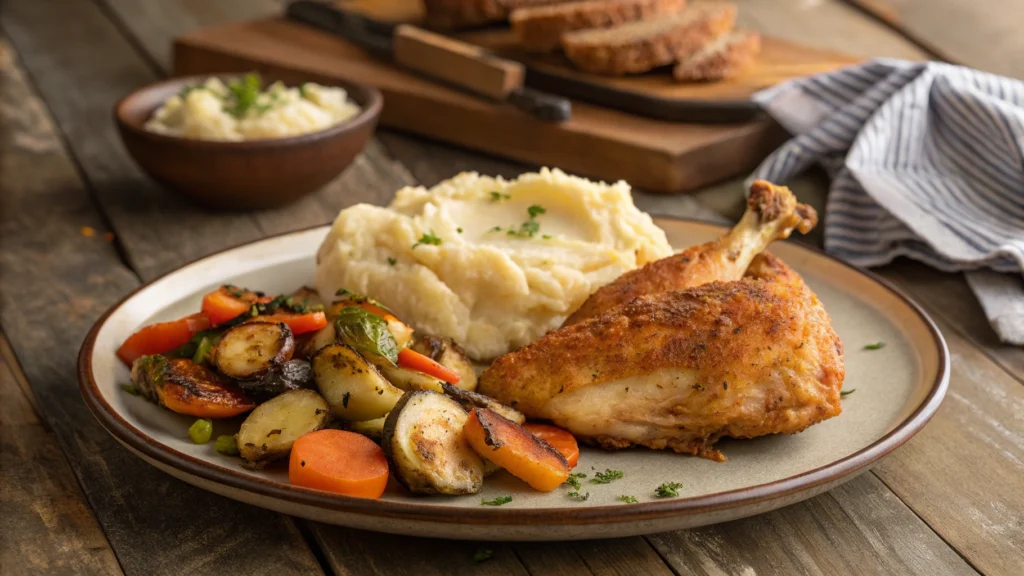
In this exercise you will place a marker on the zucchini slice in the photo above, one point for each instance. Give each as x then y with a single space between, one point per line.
423 439
252 349
268 433
447 353
353 387
470 400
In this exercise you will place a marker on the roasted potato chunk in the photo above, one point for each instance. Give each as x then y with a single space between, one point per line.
268 433
251 350
423 439
448 354
372 429
352 386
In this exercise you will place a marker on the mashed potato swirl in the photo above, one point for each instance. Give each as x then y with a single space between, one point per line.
490 263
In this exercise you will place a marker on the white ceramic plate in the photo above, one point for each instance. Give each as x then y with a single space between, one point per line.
899 387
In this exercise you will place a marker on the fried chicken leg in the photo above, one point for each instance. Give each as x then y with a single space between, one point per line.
772 213
716 341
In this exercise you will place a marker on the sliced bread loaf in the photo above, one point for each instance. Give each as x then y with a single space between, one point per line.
640 46
540 28
721 58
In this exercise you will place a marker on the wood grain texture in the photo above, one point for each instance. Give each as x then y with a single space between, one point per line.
962 473
857 528
46 526
56 282
984 35
828 24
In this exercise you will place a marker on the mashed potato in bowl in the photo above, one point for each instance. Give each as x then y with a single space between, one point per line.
241 110
490 263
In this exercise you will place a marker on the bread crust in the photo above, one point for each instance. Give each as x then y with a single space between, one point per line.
720 60
617 56
540 28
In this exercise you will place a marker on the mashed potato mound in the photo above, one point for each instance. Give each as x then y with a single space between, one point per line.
490 263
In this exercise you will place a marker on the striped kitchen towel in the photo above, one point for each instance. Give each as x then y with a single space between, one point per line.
926 162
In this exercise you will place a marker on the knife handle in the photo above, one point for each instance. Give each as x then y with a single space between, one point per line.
474 69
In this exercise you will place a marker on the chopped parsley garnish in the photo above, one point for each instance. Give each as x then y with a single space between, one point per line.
627 499
526 229
574 480
459 230
668 490
243 94
428 238
546 236
499 501
579 497
535 210
875 346
131 389
495 229
303 91
843 393
482 555
392 261
606 477
498 196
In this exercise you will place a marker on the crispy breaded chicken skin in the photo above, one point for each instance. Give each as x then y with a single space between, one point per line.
682 369
772 213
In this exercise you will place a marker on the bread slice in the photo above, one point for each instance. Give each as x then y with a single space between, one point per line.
721 58
540 28
640 46
452 14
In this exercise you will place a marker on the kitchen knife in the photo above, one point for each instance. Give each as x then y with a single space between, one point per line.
456 63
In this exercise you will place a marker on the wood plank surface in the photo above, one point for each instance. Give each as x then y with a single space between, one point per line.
59 273
46 526
982 35
862 527
962 473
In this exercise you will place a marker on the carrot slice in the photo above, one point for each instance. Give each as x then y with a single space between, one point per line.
413 360
339 461
559 439
510 446
228 302
299 323
161 337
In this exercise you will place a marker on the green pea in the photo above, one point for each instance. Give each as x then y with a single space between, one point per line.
226 445
200 431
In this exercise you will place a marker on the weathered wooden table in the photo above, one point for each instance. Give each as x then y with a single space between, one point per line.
80 226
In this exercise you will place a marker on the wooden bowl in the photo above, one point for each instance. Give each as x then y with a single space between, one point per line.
243 175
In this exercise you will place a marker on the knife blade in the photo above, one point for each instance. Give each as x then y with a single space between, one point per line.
439 57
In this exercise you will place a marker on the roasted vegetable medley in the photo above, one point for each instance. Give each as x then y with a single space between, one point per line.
346 392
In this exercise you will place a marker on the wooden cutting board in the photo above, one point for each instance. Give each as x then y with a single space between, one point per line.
650 154
654 94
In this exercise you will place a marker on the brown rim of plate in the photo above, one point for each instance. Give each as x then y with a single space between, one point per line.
141 442
368 98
